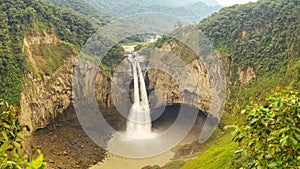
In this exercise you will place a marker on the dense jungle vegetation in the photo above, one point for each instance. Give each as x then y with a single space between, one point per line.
19 17
82 7
265 37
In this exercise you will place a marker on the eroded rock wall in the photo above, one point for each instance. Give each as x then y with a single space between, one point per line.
45 95
196 90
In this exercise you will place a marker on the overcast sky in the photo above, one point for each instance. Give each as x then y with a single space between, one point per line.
232 2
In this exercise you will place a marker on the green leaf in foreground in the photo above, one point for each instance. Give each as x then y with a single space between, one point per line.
275 133
11 150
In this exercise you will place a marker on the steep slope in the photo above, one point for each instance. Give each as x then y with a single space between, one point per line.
260 39
259 43
190 11
38 47
85 9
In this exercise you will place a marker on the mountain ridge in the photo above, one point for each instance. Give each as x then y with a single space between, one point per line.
131 7
82 7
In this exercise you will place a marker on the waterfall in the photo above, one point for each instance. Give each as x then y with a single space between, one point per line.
139 120
144 95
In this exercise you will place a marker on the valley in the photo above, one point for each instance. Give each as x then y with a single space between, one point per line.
149 84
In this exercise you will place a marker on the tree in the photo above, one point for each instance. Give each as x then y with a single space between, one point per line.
113 57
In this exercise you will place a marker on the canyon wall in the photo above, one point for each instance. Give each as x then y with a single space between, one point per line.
196 90
48 94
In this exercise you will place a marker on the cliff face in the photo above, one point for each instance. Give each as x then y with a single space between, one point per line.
192 87
105 99
46 94
196 91
246 76
201 83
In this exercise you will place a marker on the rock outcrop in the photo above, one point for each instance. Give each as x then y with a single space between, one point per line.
45 95
246 76
196 89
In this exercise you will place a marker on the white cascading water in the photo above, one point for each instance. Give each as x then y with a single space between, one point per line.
139 120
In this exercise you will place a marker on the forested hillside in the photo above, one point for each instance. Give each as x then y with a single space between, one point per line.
20 17
178 3
260 44
84 8
193 11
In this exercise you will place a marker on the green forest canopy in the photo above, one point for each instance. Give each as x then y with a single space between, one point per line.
264 36
17 18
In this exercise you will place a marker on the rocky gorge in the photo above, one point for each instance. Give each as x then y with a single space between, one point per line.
46 95
47 98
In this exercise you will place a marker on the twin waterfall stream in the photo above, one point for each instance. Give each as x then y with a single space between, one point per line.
142 144
139 119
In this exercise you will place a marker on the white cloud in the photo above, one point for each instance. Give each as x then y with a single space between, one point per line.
232 2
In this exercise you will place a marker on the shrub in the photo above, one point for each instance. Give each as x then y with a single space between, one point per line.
271 134
11 154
